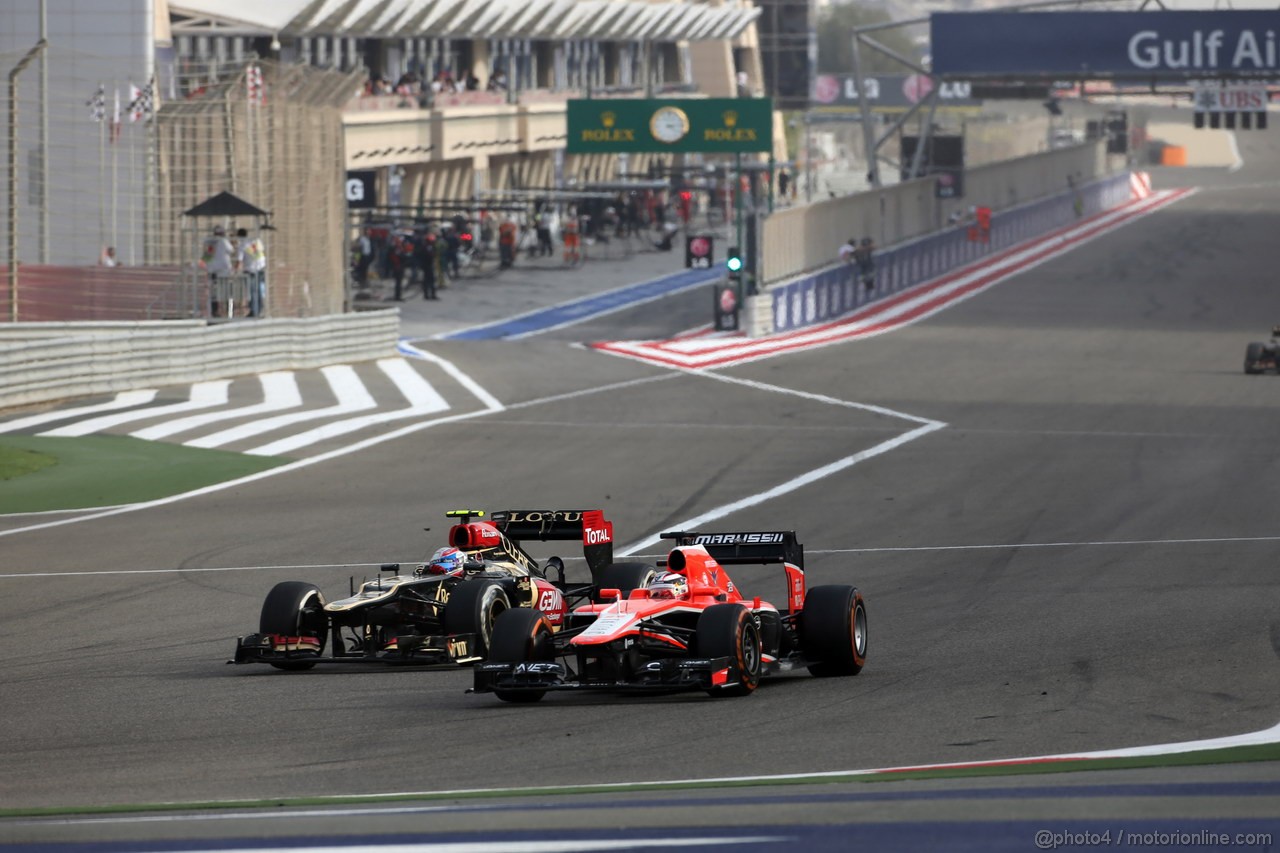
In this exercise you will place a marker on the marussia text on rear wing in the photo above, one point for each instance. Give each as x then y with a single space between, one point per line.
746 547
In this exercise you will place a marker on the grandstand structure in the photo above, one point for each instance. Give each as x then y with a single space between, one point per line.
142 109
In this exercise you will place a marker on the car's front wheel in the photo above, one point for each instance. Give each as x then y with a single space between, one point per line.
294 609
1252 355
521 635
727 630
473 608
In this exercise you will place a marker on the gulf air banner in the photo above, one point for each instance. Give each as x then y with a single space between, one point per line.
1138 45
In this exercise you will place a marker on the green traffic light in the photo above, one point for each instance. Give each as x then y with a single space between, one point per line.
733 261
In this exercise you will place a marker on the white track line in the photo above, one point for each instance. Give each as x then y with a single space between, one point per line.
807 478
424 400
350 392
204 395
123 400
279 391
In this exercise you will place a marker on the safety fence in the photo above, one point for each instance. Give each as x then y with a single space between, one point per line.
37 364
832 292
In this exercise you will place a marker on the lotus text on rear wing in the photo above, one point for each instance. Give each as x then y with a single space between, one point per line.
739 539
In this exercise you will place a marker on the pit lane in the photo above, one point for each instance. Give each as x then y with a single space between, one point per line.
1096 399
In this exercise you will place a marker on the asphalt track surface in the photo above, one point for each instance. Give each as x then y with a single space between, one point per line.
1082 558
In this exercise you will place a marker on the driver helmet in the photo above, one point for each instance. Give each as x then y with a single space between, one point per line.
446 561
669 585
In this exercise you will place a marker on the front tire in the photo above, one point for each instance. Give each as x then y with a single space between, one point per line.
727 630
294 609
474 606
625 577
1252 355
519 636
834 631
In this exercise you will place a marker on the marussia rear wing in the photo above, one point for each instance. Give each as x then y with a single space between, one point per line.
746 548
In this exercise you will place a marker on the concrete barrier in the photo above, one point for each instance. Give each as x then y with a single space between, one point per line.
801 239
42 362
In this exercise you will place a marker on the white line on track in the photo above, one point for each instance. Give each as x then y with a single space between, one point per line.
1008 546
123 400
279 391
347 388
204 395
807 478
423 400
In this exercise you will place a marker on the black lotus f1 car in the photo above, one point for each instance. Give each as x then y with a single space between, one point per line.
1260 357
443 611
682 625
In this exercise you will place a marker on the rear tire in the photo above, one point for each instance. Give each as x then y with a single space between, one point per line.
294 609
473 608
1252 355
727 630
625 577
519 636
833 629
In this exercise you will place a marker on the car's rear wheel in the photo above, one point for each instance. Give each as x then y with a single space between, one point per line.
295 609
727 630
473 608
833 629
519 636
1252 355
625 577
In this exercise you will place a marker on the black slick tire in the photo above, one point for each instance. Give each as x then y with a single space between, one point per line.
521 635
833 629
727 630
294 609
1252 355
473 608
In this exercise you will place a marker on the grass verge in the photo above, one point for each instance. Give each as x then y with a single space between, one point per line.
108 470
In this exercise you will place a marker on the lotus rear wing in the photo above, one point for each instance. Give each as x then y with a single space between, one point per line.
745 548
586 525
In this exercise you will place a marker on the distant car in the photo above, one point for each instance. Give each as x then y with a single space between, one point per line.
683 625
442 612
1260 357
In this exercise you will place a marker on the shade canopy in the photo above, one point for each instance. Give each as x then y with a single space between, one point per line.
225 204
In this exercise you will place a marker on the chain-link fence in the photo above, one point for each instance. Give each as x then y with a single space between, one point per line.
108 160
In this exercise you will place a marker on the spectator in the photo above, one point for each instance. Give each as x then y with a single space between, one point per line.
217 258
108 258
865 258
569 229
401 255
847 250
784 186
546 220
252 259
507 233
424 263
362 255
498 81
452 242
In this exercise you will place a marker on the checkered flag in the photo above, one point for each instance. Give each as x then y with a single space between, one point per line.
253 83
142 101
98 104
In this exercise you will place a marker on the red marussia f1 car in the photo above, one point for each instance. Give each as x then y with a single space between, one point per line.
687 627
445 610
